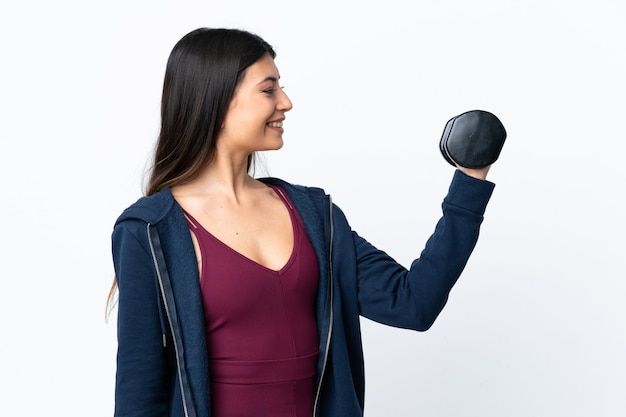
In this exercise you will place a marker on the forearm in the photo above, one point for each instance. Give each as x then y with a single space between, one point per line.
390 294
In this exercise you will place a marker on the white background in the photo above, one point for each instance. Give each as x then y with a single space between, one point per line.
536 324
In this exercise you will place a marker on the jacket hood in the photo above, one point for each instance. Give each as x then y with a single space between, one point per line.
149 209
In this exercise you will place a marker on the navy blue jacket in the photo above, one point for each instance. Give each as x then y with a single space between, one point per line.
162 367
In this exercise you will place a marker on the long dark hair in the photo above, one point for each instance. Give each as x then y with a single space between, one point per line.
203 70
202 73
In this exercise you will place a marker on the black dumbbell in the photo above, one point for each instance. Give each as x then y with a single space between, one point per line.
472 139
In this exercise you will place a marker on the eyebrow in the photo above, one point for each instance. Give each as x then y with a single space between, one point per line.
269 78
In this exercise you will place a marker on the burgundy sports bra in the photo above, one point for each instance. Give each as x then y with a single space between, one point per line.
260 324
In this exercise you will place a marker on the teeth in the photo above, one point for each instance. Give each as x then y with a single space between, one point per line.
275 124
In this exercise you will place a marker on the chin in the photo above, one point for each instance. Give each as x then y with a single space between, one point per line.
275 146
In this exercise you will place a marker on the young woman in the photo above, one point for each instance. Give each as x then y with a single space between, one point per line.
240 296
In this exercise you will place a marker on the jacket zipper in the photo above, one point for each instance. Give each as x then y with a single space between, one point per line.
167 312
330 295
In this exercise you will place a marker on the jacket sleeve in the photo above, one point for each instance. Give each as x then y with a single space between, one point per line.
390 294
141 381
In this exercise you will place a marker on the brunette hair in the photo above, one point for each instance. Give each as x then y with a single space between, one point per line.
203 70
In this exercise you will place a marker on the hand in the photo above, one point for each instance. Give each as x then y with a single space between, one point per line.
480 173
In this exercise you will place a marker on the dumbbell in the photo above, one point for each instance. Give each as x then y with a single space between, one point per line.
472 139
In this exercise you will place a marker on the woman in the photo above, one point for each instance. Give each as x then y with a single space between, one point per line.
242 297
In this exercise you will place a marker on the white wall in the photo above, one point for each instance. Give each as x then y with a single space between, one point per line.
535 327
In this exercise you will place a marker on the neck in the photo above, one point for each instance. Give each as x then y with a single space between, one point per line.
226 176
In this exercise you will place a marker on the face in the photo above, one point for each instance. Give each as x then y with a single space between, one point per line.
254 120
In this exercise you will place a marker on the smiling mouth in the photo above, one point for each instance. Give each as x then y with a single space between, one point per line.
275 124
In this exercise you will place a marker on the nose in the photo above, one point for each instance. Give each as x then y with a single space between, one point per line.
284 104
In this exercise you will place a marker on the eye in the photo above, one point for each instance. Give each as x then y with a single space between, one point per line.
271 91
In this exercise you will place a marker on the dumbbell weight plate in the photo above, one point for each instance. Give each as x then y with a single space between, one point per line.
473 139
